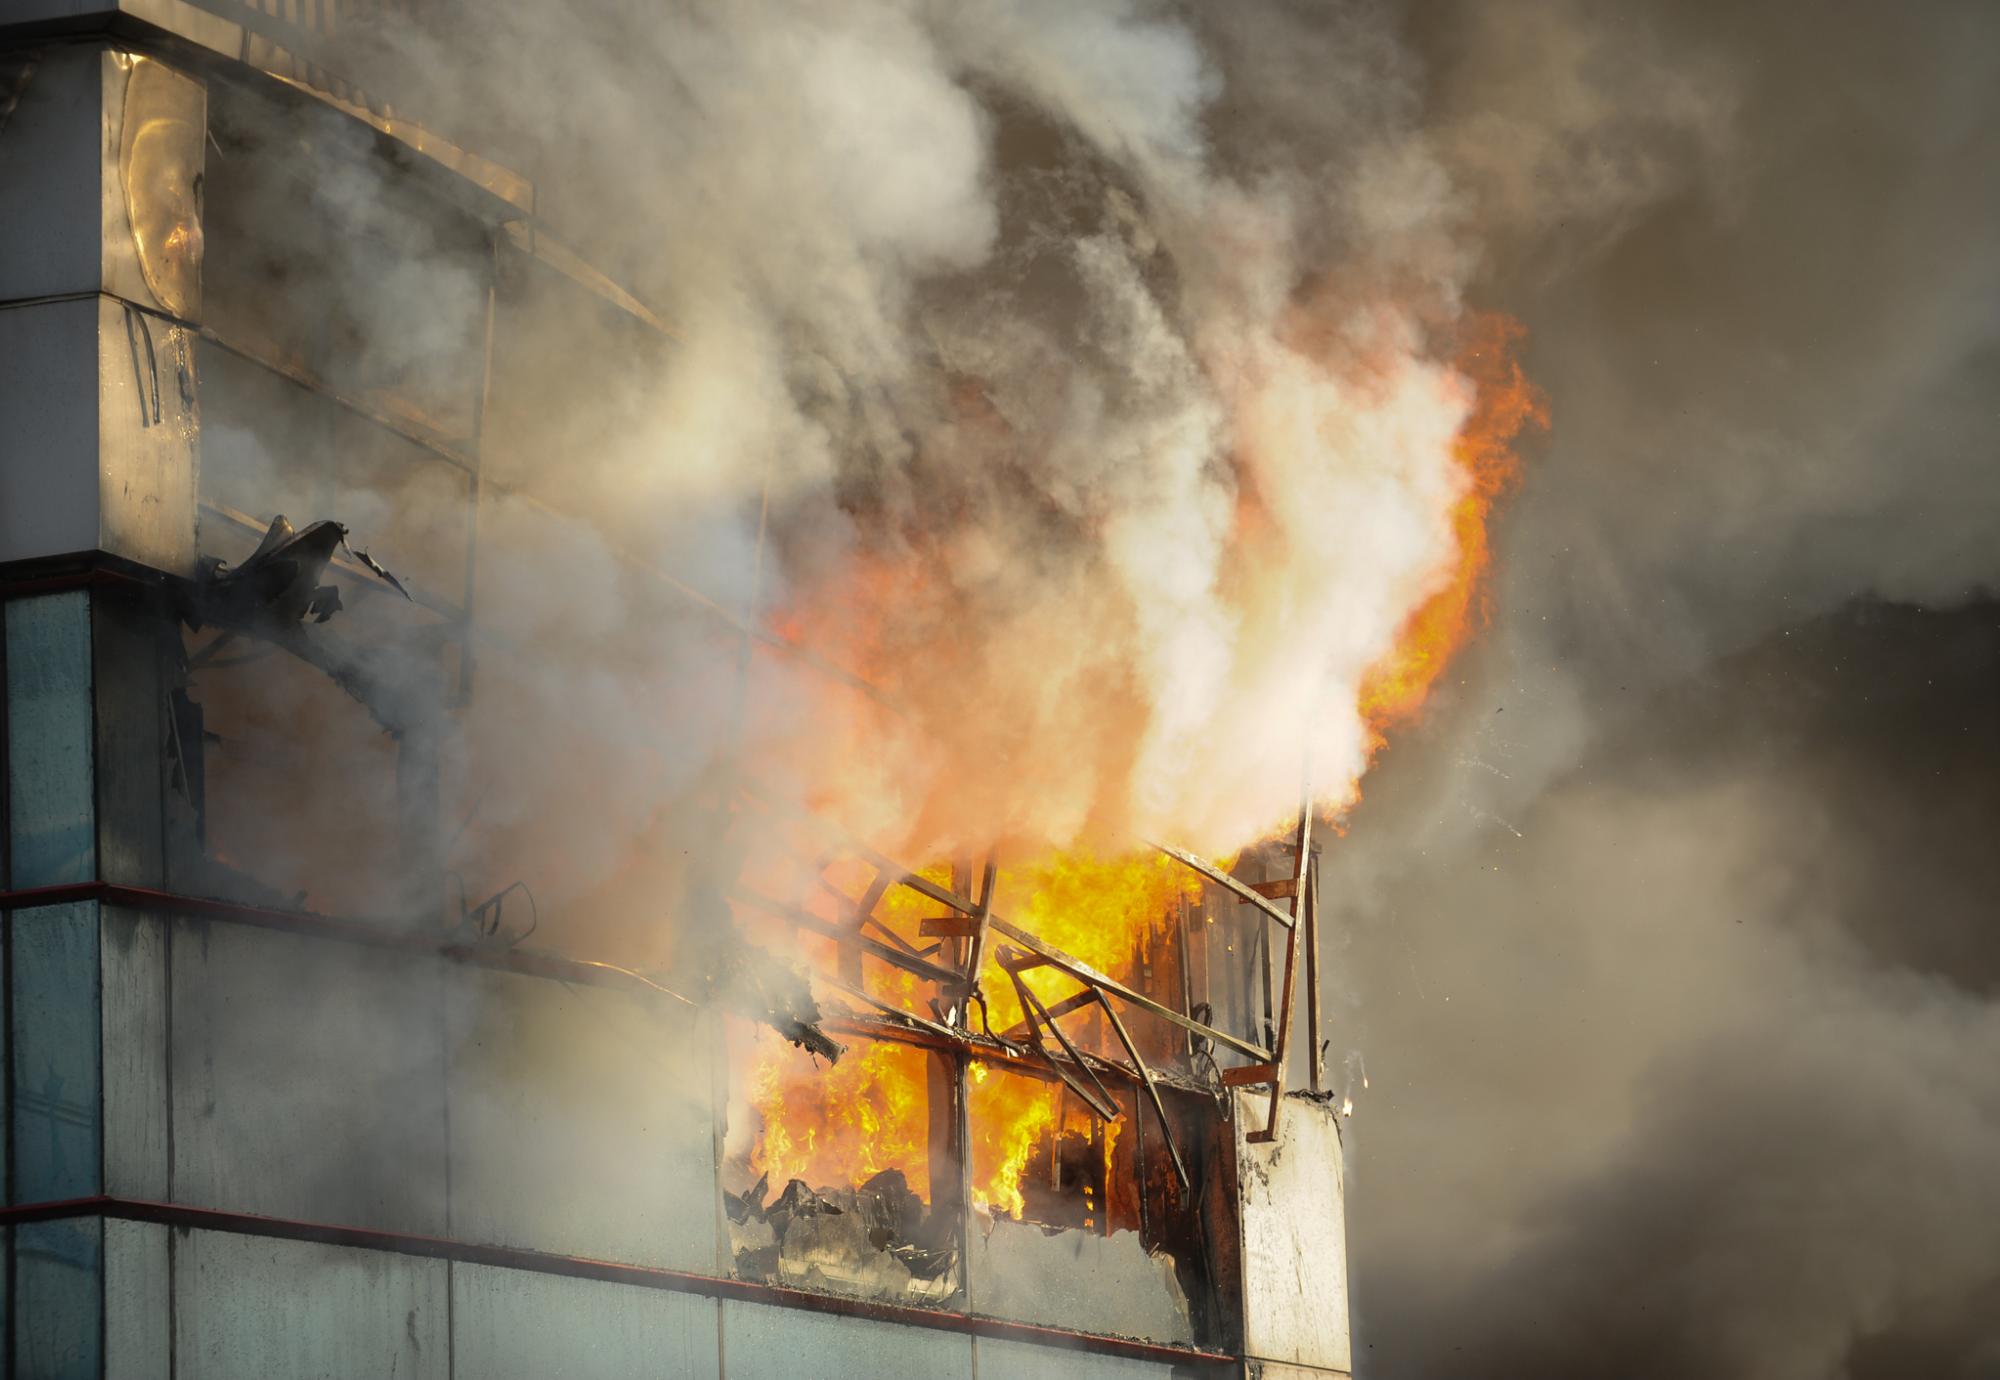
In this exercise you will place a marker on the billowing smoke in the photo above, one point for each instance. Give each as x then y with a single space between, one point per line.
1087 378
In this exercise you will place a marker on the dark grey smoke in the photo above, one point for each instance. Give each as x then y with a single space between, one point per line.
1693 1074
1672 937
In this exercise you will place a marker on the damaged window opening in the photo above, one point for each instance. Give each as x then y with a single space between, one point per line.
836 1173
1069 1099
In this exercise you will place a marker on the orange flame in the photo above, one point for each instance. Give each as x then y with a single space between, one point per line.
872 1111
843 1124
1505 403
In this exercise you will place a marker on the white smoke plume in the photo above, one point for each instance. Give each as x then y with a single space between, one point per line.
1091 382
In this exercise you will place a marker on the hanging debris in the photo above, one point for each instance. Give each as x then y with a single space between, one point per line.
746 979
278 584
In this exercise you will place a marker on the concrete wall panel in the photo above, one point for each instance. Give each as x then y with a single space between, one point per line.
51 810
761 1342
138 1301
518 1325
308 1079
254 1308
1294 1229
580 1122
1077 1279
133 966
58 1299
57 1115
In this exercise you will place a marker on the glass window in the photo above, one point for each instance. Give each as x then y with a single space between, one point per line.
49 794
59 1298
57 1108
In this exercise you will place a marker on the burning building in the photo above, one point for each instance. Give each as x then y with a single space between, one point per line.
295 1085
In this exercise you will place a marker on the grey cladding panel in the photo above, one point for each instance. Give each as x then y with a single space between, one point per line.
254 1308
518 1325
580 1122
760 1342
1003 1360
307 1079
48 454
50 163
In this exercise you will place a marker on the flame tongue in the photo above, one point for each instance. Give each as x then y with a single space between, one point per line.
1394 690
1020 696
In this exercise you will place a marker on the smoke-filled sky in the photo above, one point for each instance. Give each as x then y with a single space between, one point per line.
1666 935
1671 941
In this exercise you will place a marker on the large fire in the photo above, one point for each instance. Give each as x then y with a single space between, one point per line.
841 1125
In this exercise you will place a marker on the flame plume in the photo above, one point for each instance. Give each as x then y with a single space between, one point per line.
870 1113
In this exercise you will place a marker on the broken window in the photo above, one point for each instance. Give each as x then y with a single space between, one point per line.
834 1168
1058 1126
342 371
298 804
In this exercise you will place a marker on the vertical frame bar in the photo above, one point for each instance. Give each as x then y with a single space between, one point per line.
1309 917
467 601
7 1309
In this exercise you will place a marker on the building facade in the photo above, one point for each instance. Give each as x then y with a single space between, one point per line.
247 1137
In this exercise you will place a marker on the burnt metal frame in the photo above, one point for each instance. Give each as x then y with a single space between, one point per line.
975 920
1300 892
981 912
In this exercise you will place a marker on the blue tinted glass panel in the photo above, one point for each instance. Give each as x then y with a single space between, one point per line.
49 791
58 1299
57 1107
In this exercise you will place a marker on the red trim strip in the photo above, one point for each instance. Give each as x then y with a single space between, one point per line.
527 962
610 1272
97 577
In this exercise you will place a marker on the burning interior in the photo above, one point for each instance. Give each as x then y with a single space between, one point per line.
995 1087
